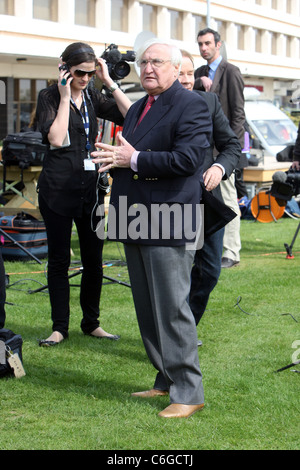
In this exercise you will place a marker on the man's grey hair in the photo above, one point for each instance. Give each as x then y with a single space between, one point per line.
176 57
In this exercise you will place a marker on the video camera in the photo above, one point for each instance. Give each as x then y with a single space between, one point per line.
285 185
116 61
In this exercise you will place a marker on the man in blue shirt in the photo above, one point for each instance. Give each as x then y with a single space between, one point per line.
225 80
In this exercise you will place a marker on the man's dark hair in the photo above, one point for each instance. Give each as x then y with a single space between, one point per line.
209 30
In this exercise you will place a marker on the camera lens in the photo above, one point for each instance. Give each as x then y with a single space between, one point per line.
121 69
118 68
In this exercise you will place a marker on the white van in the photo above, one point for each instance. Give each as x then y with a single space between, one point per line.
271 130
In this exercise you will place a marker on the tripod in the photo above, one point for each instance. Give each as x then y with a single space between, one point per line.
111 279
290 247
79 271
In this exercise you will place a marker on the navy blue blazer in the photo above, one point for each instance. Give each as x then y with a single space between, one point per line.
171 139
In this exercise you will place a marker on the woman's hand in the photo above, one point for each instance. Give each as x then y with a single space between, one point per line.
64 82
58 130
102 73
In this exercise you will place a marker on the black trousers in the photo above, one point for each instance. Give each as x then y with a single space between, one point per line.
240 184
59 246
2 292
205 273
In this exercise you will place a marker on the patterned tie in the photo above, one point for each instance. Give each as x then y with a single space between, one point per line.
149 103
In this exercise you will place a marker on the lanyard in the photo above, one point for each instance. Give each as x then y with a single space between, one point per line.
86 123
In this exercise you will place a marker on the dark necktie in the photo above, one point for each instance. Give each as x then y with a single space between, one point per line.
149 103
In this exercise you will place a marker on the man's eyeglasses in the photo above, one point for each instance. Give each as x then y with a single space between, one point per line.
156 63
82 73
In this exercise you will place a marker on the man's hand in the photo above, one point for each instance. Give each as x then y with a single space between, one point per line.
296 165
207 83
212 177
111 156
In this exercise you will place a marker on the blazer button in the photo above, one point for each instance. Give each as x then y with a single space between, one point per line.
135 177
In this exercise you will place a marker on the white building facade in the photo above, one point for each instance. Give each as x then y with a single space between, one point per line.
262 38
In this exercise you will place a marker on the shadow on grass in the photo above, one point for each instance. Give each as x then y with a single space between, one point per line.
87 366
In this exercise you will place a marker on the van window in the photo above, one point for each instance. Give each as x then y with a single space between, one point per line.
277 132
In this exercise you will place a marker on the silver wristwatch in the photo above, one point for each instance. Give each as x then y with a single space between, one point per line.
113 88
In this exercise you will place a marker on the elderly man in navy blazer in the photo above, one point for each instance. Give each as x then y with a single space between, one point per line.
156 193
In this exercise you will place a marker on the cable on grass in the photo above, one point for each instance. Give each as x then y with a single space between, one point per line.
238 301
291 316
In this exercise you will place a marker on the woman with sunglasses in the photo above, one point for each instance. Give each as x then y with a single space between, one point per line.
67 115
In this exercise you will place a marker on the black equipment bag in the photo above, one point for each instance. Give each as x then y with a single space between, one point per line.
13 344
24 149
22 223
286 155
23 230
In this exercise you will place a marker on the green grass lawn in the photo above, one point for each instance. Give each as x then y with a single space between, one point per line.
77 395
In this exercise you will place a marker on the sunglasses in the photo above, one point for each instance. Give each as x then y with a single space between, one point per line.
82 73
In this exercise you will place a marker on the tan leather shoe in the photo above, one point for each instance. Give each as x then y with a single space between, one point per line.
154 392
177 410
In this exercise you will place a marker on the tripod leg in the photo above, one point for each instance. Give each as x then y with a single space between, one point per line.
20 246
290 247
116 281
79 271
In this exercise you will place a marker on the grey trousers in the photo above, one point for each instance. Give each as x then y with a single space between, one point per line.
160 281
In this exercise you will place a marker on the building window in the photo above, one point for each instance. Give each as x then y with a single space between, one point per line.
85 12
273 43
289 41
200 23
176 25
119 15
149 18
6 7
25 97
258 42
241 37
45 10
39 85
221 28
